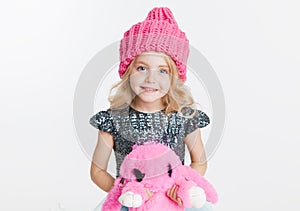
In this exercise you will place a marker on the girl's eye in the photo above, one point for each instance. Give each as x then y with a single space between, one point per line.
141 68
163 71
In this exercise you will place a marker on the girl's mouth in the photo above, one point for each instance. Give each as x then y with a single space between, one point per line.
148 89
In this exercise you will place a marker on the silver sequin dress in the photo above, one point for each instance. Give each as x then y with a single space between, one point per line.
129 126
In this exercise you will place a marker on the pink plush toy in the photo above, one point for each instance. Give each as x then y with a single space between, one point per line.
157 168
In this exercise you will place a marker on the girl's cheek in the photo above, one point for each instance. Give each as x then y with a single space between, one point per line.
166 84
137 78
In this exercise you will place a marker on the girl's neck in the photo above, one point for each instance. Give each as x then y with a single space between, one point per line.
147 107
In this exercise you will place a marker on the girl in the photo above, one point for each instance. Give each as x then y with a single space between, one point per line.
151 102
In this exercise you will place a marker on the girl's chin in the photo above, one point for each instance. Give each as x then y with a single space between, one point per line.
149 98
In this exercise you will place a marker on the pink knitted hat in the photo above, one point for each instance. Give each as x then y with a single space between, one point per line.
160 33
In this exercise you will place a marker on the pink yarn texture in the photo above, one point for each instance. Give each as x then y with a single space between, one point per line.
158 32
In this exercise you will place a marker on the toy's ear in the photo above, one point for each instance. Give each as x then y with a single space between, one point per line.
139 175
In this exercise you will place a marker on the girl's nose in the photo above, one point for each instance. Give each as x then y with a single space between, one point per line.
150 77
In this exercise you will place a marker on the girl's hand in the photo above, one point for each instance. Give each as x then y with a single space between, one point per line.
172 194
149 194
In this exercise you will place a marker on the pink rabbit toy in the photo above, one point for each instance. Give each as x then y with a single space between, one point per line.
157 168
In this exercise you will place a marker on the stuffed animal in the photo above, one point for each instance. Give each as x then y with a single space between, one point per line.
157 168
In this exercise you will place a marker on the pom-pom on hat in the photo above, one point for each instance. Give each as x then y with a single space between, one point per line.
160 33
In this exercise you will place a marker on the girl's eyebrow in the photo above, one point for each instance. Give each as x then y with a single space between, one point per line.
140 62
164 66
144 63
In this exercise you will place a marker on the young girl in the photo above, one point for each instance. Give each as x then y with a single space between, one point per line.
151 102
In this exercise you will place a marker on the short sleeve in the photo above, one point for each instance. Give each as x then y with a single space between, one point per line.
102 121
198 120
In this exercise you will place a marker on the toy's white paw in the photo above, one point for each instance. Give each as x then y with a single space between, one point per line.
197 197
129 199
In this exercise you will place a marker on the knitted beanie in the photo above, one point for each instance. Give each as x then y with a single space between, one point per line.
160 33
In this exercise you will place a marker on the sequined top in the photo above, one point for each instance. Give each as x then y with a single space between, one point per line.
129 126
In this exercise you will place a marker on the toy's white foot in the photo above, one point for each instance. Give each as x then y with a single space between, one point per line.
197 197
129 199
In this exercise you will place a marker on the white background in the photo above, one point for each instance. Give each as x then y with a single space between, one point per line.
252 45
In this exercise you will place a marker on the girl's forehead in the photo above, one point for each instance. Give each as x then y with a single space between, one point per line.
152 57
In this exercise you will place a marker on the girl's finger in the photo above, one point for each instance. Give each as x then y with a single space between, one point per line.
171 191
175 197
149 193
179 201
174 194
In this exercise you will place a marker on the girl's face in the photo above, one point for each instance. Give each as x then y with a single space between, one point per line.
150 78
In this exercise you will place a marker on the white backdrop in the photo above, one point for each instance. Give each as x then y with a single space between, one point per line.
252 45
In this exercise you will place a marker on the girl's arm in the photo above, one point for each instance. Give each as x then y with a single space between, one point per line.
198 158
102 152
197 153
